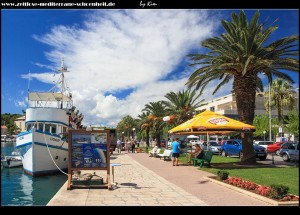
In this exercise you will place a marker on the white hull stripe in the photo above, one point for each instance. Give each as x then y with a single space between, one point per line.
42 144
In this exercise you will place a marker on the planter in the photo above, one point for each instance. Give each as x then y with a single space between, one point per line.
249 193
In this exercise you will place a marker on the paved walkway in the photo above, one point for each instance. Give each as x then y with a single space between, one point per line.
147 181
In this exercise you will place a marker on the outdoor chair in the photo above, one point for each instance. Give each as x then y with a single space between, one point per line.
166 155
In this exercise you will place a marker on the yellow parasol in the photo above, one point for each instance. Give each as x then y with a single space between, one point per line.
209 122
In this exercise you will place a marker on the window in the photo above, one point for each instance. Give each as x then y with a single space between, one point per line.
212 108
29 126
40 126
53 128
47 127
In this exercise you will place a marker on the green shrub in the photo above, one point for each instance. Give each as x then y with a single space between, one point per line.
222 175
278 191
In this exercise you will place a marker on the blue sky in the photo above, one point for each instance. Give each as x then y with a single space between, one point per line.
119 60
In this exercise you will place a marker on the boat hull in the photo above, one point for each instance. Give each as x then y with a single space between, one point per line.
42 153
11 162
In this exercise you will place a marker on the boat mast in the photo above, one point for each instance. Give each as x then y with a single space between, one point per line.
62 70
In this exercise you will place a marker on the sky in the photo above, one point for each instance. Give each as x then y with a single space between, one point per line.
119 60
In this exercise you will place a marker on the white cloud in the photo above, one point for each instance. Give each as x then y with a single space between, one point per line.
120 50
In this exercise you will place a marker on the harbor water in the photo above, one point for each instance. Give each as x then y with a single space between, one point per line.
19 189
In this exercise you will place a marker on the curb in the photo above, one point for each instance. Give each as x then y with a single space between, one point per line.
254 195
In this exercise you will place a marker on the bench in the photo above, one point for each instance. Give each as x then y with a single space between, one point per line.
207 156
166 155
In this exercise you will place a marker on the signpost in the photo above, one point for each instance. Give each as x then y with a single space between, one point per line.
88 150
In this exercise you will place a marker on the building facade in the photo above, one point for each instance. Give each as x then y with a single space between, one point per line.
226 105
3 130
20 123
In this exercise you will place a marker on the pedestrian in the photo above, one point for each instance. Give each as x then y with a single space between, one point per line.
132 142
119 146
128 145
175 151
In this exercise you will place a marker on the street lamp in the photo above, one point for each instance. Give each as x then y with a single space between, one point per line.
166 119
270 114
122 136
264 135
133 133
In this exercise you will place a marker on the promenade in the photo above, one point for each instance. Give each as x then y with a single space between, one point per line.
148 181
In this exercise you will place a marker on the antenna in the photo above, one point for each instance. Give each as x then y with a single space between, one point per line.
62 70
28 89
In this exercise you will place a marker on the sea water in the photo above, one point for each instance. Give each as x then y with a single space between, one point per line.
18 189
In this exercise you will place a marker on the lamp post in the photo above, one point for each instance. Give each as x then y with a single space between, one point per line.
264 135
122 136
270 115
166 119
133 133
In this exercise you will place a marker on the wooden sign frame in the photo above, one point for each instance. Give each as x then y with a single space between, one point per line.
86 152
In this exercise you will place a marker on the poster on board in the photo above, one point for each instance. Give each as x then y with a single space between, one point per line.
89 150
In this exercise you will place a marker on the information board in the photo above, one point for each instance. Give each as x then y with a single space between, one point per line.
88 150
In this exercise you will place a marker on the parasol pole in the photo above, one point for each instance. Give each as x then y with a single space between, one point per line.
207 137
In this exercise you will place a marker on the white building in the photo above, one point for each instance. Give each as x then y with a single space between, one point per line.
226 105
20 122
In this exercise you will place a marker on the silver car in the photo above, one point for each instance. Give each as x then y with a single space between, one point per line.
289 151
212 146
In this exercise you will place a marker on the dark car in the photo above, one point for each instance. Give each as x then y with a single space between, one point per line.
290 151
234 147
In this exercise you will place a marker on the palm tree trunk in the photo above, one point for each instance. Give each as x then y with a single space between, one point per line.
245 90
147 136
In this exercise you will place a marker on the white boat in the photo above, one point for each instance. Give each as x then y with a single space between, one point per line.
13 160
43 146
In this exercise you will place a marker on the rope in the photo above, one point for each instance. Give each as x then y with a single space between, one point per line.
51 154
52 157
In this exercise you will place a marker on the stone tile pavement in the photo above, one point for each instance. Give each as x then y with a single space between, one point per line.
148 181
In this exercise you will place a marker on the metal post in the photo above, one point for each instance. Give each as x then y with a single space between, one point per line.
270 115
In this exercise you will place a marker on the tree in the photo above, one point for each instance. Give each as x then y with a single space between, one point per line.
182 105
126 125
283 96
144 125
157 112
292 122
261 124
241 54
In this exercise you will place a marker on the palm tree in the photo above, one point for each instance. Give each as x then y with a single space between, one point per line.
240 54
182 105
157 112
282 96
143 124
126 125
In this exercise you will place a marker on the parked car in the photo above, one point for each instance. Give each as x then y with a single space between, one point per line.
263 143
274 148
290 151
234 147
214 147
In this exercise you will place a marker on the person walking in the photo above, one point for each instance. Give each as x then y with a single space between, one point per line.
128 145
175 151
119 146
132 146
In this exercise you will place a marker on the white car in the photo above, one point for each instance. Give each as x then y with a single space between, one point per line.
263 143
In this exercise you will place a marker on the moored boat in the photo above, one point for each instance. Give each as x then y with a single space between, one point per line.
13 160
43 146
